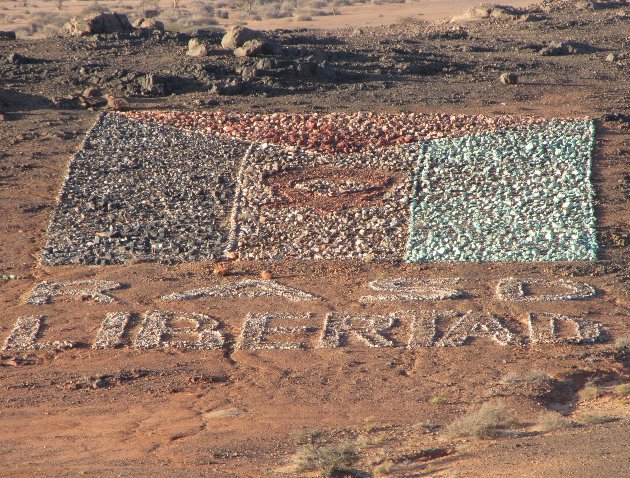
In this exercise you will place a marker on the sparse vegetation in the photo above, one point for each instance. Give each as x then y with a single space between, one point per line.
622 343
328 460
384 469
437 400
623 389
308 436
589 392
486 422
552 421
595 418
531 377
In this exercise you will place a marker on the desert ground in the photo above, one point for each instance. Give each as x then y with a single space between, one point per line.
270 390
41 18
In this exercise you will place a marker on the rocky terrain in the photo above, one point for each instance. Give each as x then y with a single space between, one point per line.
137 363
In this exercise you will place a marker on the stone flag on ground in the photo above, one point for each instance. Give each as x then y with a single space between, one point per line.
178 186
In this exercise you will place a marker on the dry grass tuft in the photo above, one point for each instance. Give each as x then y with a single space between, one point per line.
595 418
382 470
328 460
622 343
531 377
623 389
552 421
438 400
486 422
589 392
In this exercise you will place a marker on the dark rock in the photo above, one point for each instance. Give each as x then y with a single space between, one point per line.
196 48
228 87
151 13
151 84
17 59
258 47
559 48
91 92
7 35
149 24
238 35
508 78
326 71
98 23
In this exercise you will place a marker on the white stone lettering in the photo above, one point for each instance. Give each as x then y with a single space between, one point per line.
516 290
110 335
248 288
412 289
157 328
423 331
544 328
257 327
25 333
96 290
477 325
369 329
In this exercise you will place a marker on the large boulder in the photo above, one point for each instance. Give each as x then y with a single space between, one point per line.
98 23
196 48
258 47
148 24
485 11
7 35
236 37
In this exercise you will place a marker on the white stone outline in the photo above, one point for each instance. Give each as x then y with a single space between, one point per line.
337 328
110 334
256 327
156 324
492 328
24 335
44 292
587 331
241 288
407 290
512 289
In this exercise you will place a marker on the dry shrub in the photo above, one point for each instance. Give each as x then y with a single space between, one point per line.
589 392
553 421
93 7
486 422
302 17
622 343
595 418
317 4
623 389
531 377
328 460
382 470
437 400
274 10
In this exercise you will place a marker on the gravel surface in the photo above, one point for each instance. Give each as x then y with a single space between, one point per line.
140 190
284 222
508 196
334 132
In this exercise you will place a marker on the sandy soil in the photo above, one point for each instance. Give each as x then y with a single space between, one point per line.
17 15
243 413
